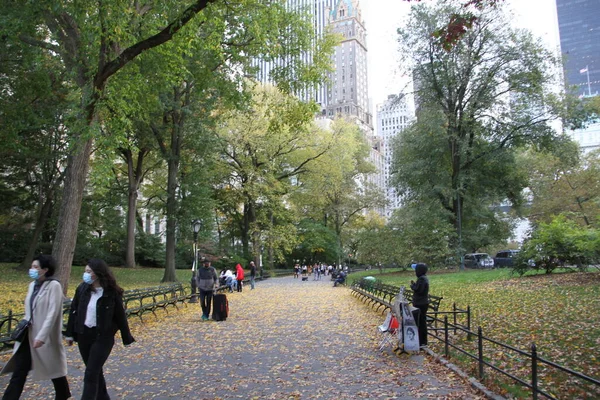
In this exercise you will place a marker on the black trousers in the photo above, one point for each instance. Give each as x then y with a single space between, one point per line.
206 301
22 367
421 320
94 351
240 284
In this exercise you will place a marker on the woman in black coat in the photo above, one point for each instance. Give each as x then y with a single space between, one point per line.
97 313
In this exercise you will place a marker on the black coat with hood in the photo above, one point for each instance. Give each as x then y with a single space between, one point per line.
420 288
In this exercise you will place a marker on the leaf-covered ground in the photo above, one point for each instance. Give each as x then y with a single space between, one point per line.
559 312
287 339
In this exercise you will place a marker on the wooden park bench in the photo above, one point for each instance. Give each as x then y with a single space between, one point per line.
383 295
139 301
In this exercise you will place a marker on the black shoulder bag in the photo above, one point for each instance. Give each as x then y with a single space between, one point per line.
19 333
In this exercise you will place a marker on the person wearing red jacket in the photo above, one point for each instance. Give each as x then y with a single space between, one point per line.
239 276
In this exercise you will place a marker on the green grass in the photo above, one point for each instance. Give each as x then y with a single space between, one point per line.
557 312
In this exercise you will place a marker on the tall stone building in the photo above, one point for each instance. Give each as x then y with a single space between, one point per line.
348 91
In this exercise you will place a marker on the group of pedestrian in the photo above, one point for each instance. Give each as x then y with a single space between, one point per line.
318 270
96 314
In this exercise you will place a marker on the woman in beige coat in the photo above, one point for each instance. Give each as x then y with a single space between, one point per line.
42 351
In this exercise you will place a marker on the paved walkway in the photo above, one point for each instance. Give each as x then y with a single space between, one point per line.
287 339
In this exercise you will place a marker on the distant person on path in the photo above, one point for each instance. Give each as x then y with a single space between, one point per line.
207 282
252 274
420 290
42 350
239 276
97 313
226 278
341 279
296 270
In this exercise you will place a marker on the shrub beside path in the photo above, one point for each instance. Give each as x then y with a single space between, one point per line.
287 339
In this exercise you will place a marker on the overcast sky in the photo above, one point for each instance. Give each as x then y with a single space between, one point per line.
383 17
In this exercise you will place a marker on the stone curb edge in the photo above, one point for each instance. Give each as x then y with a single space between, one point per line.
474 382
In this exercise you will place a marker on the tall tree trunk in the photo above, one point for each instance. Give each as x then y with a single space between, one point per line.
245 231
182 99
173 165
43 216
65 240
131 224
135 178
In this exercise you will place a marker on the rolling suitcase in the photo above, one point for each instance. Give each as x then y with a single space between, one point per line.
220 307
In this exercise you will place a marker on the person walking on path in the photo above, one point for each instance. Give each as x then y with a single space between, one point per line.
252 274
420 290
208 281
239 276
41 350
97 313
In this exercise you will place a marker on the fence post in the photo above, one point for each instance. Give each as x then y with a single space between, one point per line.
469 323
10 314
454 316
446 335
480 351
534 378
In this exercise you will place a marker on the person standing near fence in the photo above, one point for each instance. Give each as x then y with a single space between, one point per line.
41 350
252 274
97 313
207 283
420 290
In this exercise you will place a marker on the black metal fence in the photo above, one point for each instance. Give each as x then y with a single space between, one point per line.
536 374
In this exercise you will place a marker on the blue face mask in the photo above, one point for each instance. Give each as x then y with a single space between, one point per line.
87 278
34 273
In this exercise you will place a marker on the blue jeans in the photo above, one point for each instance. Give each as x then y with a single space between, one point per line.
251 282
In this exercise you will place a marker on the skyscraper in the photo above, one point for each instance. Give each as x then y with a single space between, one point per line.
319 10
348 90
579 28
347 93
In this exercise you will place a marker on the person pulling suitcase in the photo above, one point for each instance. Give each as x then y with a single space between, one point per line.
208 281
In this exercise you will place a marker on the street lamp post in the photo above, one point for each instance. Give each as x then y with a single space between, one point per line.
196 226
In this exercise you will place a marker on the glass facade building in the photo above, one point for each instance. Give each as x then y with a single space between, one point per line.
579 28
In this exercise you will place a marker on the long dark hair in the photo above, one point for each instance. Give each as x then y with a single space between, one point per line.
104 275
